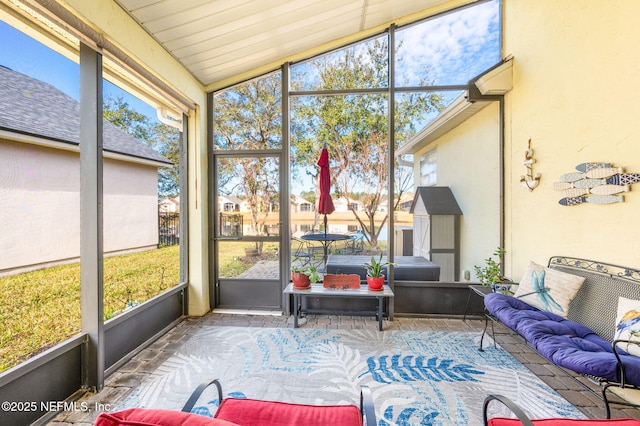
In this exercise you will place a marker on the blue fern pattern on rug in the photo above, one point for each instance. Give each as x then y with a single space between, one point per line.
404 418
410 368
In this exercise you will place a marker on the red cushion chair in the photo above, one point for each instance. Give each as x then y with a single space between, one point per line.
522 418
242 411
149 417
255 412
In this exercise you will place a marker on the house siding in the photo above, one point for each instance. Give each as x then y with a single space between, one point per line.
575 96
468 163
40 206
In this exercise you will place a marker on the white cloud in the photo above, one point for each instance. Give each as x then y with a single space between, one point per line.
452 47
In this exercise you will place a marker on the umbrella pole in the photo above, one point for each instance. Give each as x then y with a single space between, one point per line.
326 243
325 225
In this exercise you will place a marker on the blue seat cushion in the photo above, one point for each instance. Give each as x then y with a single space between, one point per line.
567 344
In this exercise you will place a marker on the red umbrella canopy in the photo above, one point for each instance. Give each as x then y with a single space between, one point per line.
325 204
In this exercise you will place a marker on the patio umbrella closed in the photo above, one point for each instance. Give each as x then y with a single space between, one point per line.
325 203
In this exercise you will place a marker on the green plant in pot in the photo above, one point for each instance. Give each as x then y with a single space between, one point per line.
491 273
375 279
303 276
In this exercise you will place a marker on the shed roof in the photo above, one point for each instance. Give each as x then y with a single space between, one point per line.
435 200
33 107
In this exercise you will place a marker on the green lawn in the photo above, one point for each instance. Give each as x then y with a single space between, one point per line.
42 308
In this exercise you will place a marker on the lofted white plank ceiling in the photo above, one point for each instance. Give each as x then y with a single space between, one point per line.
223 41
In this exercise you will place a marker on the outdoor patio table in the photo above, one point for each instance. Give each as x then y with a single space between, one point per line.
318 290
326 240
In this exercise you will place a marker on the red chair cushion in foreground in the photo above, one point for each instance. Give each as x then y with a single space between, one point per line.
152 417
526 421
499 421
259 412
248 412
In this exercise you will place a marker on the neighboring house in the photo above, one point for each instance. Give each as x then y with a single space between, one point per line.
404 205
169 205
406 200
300 205
40 179
342 205
470 167
229 203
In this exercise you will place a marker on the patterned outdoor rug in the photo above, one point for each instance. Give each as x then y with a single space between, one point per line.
417 378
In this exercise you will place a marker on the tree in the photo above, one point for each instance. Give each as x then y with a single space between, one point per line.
163 139
354 127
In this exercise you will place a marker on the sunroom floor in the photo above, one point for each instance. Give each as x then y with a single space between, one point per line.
122 382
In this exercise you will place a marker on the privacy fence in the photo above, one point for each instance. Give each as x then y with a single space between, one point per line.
168 229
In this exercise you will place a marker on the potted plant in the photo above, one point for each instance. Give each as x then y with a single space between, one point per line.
491 273
303 276
375 279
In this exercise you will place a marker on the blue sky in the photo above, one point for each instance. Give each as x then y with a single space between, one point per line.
17 52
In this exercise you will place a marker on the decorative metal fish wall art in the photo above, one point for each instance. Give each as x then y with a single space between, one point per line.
585 167
572 177
593 199
595 183
609 189
624 179
575 192
603 172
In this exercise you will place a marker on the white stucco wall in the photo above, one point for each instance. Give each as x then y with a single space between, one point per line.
576 80
40 205
468 162
130 205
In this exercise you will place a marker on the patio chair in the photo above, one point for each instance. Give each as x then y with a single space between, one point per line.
300 252
244 411
522 418
354 245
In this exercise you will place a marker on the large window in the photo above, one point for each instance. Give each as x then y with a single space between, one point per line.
449 49
354 129
39 196
340 100
141 174
40 186
247 142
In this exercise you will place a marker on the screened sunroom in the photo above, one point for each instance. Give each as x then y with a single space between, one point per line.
158 160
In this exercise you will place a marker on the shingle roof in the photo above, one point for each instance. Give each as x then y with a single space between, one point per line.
437 200
33 107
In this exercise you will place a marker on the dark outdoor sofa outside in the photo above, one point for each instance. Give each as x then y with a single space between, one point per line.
583 340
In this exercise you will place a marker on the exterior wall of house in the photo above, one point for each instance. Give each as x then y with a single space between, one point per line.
40 206
576 79
130 206
468 163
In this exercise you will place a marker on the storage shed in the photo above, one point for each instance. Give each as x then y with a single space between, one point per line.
436 229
